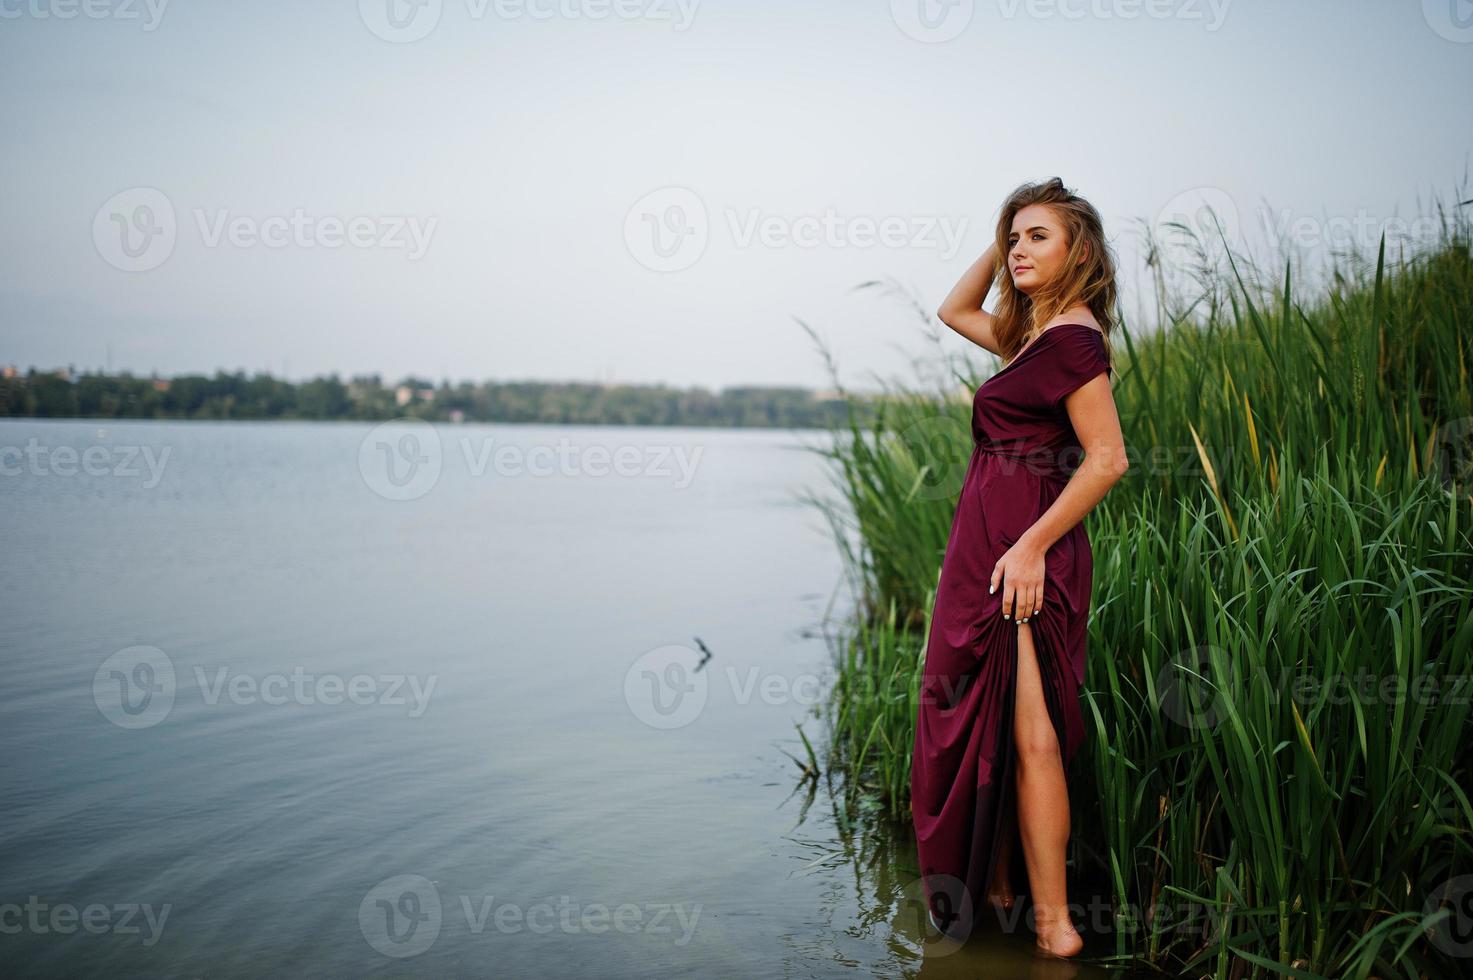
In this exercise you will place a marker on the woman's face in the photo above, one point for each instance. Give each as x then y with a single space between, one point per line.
1036 247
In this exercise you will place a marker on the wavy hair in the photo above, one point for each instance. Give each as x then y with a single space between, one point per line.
1020 317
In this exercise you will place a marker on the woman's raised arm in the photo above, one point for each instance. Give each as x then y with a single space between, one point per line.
962 309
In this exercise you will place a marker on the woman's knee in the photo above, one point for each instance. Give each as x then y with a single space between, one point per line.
1034 739
1036 744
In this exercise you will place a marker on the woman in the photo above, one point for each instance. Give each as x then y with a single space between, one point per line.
999 718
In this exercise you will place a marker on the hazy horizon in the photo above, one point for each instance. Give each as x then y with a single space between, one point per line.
389 381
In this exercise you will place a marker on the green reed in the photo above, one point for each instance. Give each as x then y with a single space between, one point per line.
1281 639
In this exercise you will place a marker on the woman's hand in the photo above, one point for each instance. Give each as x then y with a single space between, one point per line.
1021 570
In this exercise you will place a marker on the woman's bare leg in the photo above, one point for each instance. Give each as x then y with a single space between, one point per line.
1043 805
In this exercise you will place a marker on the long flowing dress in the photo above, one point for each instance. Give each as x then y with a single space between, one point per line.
1024 450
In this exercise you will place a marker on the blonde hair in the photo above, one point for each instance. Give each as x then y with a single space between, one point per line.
1019 317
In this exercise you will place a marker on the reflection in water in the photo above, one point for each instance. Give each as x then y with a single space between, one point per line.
875 905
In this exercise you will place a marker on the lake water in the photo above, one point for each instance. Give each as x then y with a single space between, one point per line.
334 699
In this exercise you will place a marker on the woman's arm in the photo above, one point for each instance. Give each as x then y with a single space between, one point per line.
962 309
1096 422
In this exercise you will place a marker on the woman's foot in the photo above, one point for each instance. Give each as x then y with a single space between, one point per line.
1057 937
1001 898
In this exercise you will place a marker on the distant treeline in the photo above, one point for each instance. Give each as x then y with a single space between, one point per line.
61 394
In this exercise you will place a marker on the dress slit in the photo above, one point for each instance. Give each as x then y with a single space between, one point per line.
988 818
964 760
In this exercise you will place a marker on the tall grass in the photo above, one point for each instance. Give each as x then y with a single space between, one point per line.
1281 638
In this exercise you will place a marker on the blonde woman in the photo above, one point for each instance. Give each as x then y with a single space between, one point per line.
999 719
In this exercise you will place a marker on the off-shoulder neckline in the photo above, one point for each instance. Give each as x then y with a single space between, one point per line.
1039 339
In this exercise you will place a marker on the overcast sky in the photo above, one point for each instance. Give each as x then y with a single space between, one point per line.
653 190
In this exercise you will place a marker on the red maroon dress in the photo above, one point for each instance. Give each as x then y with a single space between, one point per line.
1024 450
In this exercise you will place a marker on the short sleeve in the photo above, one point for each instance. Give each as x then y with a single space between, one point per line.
1078 356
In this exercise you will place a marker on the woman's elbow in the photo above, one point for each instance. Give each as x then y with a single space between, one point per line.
1111 461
